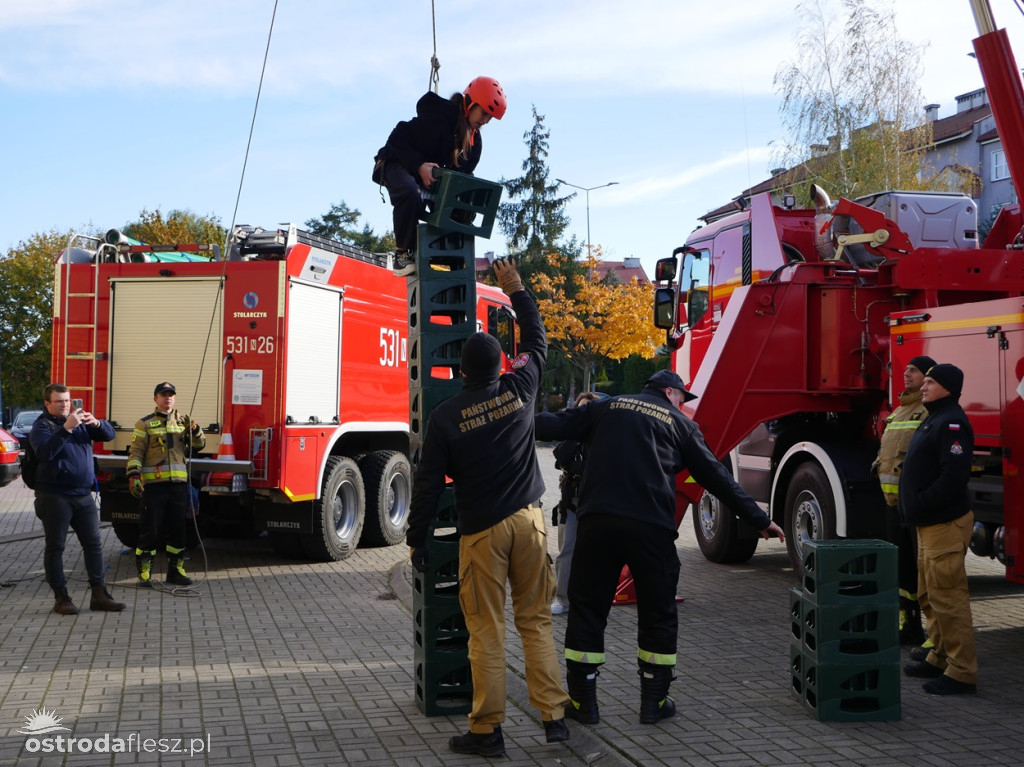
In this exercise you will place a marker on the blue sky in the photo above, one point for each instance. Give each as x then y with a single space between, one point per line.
112 106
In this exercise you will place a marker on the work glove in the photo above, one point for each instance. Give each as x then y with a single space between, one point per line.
508 278
135 485
418 555
554 514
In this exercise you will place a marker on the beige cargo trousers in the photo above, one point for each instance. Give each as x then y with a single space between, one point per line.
514 551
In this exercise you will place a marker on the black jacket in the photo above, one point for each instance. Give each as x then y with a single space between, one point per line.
933 483
637 444
483 439
428 137
65 458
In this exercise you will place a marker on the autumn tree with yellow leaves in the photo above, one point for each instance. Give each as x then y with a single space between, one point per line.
588 319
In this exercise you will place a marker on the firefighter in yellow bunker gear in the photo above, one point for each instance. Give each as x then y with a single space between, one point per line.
157 474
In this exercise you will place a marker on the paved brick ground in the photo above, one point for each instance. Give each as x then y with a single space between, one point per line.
280 662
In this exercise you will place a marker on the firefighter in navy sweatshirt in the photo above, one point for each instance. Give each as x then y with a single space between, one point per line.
483 439
637 444
934 498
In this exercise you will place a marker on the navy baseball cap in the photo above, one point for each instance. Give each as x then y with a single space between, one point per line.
164 388
668 378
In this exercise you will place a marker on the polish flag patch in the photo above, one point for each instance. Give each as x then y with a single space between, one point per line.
521 361
954 427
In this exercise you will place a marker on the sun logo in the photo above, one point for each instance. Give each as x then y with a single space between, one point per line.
41 722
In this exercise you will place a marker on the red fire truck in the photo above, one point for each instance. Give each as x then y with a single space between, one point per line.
794 326
291 354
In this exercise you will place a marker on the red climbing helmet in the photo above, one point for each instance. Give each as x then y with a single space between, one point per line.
487 92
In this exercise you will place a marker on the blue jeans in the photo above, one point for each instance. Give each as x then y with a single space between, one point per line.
78 512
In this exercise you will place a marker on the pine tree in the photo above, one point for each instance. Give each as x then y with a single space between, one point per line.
534 220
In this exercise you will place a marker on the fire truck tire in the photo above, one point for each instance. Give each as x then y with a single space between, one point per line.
387 477
338 513
810 511
717 531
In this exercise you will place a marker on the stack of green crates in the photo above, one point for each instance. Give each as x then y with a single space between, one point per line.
444 684
844 646
442 314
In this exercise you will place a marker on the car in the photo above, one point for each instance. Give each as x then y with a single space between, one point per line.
10 463
23 424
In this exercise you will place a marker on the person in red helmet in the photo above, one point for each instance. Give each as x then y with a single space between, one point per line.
444 133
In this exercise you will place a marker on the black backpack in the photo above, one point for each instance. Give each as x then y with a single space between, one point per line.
29 464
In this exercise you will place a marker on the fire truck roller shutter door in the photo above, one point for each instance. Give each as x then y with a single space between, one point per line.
337 513
179 356
387 477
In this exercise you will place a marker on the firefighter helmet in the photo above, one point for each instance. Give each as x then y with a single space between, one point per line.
487 92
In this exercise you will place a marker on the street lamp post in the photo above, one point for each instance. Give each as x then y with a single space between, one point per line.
587 189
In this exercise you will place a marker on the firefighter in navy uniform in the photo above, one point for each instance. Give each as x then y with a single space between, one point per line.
637 444
934 498
158 475
899 428
483 439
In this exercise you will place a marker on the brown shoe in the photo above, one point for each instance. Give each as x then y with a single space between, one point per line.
64 605
101 600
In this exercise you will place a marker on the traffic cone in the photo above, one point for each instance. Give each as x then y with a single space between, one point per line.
226 452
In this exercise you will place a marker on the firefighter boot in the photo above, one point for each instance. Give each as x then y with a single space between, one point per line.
176 568
910 622
655 704
101 600
144 564
64 605
581 679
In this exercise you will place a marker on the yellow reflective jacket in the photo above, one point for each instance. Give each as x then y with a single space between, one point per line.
158 448
899 428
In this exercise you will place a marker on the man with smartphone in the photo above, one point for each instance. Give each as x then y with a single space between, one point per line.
61 439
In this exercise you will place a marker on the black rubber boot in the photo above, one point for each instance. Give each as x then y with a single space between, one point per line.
910 622
64 605
101 600
655 704
581 679
176 568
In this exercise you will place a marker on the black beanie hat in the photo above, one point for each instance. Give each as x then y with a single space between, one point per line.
924 363
481 357
950 377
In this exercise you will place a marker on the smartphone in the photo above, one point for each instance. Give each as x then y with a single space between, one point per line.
76 404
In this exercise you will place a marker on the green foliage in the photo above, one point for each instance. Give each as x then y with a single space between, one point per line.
178 226
341 223
26 316
534 219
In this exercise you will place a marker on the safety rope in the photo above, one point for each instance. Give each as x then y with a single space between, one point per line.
435 64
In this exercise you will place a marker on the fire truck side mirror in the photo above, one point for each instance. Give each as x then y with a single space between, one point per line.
664 308
665 269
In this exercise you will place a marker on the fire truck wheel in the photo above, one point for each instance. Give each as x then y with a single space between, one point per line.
338 513
717 532
810 511
388 481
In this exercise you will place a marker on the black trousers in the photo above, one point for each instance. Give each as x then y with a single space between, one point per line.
165 505
604 544
905 539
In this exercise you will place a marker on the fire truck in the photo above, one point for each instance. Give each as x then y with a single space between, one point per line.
794 327
290 351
